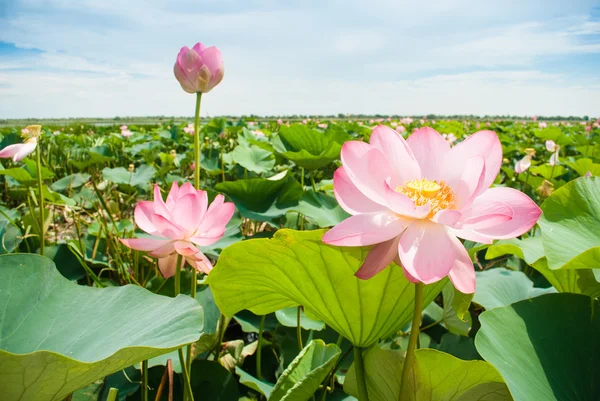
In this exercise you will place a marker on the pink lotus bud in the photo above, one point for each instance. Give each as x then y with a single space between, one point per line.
588 174
588 128
543 124
550 146
371 121
199 69
322 126
280 121
534 118
400 129
488 124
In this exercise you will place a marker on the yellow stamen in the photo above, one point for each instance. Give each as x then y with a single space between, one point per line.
423 191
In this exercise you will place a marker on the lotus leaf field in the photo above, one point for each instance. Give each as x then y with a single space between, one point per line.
253 305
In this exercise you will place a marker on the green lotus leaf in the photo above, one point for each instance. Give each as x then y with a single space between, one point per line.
546 348
501 287
263 198
308 147
296 268
570 225
304 374
57 336
436 376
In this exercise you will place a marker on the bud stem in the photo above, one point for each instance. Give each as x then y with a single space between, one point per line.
41 196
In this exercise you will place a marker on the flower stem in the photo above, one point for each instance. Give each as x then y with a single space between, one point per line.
197 142
312 181
412 340
177 279
299 330
145 380
193 295
41 196
187 392
259 347
359 370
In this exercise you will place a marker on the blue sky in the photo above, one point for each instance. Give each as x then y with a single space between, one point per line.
103 58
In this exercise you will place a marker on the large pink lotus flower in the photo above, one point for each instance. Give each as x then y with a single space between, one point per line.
199 69
413 198
178 225
18 151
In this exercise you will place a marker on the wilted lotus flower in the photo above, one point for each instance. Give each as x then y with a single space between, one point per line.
199 69
359 122
543 124
180 224
522 165
189 129
18 151
413 198
546 188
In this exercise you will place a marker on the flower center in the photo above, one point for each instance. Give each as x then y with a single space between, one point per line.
423 191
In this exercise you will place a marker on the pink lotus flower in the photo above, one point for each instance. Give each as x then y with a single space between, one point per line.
394 124
553 159
178 225
189 129
400 129
522 165
199 69
279 121
413 198
322 126
19 151
534 118
406 121
543 124
551 145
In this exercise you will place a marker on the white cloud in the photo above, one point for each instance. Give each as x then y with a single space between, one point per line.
105 58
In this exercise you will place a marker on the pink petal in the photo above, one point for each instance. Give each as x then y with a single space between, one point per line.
398 154
200 262
365 229
211 57
11 150
378 258
367 168
166 228
186 189
462 273
349 197
216 218
168 264
483 143
427 251
143 216
199 47
447 217
188 212
173 195
430 150
525 213
145 244
163 251
159 205
468 182
185 248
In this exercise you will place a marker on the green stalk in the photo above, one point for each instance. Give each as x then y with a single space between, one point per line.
299 330
259 348
312 181
145 380
197 142
359 370
193 295
41 196
302 178
412 340
187 390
